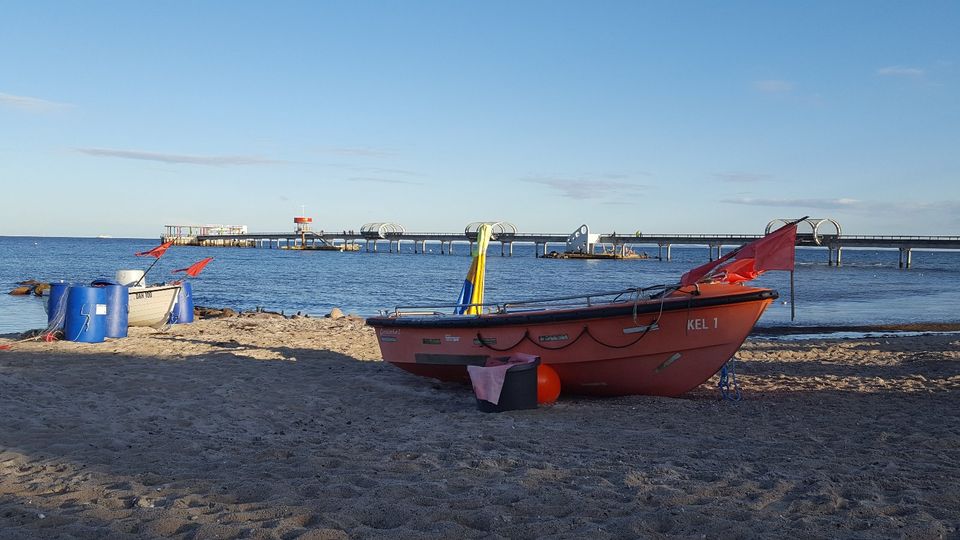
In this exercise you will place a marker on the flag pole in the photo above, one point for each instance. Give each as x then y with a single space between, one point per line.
793 304
146 271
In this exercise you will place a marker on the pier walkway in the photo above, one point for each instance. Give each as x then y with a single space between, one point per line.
716 243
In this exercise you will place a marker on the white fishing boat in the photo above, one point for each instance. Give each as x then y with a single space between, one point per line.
151 306
148 305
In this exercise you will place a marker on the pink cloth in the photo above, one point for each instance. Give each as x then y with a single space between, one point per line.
488 380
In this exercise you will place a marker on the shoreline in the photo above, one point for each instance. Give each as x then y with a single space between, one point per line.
913 327
758 332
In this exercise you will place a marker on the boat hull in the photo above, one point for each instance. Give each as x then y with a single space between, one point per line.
151 306
663 347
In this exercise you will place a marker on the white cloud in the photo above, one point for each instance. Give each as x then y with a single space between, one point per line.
360 151
900 71
382 180
177 158
743 177
773 86
31 104
796 203
586 189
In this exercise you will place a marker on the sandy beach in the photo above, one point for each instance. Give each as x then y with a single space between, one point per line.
264 427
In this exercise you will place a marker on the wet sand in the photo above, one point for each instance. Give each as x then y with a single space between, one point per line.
263 427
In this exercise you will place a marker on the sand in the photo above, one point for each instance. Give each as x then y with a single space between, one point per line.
292 428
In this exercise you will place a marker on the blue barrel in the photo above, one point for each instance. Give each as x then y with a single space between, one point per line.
183 310
86 314
118 307
57 304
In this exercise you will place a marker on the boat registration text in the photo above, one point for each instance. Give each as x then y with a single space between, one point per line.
702 324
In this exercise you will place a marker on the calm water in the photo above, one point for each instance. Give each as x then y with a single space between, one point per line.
868 289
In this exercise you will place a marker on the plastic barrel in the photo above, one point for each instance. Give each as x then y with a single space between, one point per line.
183 310
129 277
118 307
86 314
57 303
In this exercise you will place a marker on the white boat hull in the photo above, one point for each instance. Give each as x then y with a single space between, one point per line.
151 306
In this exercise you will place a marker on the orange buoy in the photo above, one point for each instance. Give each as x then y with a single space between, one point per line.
548 384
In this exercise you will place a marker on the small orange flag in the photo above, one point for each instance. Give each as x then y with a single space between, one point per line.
774 251
157 251
194 268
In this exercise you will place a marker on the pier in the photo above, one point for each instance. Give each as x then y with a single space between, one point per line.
391 237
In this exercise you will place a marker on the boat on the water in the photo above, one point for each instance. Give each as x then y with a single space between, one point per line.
664 340
151 306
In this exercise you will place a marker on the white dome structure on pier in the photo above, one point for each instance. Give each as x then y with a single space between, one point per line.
380 229
501 229
814 224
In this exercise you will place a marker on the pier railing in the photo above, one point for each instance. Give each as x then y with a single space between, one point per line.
833 243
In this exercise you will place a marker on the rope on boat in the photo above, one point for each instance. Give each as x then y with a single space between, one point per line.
485 342
634 342
728 378
585 331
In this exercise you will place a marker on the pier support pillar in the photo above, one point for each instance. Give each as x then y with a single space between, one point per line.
660 255
834 255
511 249
906 257
712 248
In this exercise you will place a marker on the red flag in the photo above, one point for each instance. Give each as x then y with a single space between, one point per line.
157 251
774 251
194 268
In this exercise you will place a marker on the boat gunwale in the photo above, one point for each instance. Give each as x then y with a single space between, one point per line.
152 288
600 311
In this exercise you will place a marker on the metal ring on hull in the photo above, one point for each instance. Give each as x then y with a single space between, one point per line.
814 224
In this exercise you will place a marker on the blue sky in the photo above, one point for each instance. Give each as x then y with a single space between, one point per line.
120 117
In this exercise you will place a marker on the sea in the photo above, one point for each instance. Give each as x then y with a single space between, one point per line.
869 288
